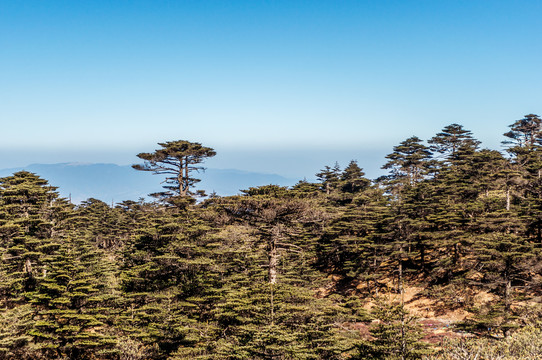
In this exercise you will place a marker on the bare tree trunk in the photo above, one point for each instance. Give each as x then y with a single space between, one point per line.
273 260
507 291
186 176
507 199
28 266
272 305
180 177
403 337
422 254
400 282
402 293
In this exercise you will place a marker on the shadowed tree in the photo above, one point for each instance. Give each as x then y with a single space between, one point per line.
396 336
524 144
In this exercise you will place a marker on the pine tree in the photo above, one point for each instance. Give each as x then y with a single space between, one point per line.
329 177
395 334
452 141
167 281
268 308
29 214
409 163
177 160
524 144
349 245
71 305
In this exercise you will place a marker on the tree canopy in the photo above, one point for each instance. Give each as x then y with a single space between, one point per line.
177 160
343 268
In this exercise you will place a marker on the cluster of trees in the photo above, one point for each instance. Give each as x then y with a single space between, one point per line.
276 273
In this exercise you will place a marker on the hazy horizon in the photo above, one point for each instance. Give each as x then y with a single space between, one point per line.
284 86
294 163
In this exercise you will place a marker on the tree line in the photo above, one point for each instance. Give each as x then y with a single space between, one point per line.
278 272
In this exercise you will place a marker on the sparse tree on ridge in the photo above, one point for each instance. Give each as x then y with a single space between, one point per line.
452 140
177 160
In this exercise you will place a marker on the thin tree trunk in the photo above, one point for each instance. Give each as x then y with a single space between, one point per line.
507 199
272 270
422 254
507 291
272 261
401 290
272 305
403 337
180 177
186 176
402 293
400 280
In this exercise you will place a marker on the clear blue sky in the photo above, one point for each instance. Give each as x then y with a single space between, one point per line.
278 86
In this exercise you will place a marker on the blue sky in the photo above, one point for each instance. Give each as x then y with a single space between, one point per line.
277 86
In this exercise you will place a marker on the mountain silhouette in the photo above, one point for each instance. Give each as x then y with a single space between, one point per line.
115 183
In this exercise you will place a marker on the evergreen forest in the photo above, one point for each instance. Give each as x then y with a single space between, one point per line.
438 259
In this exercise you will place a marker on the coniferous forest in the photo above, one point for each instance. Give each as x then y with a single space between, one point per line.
438 259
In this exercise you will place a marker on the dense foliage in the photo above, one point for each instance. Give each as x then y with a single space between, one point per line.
281 273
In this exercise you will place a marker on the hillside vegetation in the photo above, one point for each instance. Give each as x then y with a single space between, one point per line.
440 259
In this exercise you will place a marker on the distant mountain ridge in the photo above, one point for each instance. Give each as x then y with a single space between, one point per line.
115 183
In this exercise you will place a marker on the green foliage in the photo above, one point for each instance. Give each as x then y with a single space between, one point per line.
395 334
278 272
177 160
525 344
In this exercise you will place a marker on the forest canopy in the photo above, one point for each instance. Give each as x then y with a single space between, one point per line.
343 268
